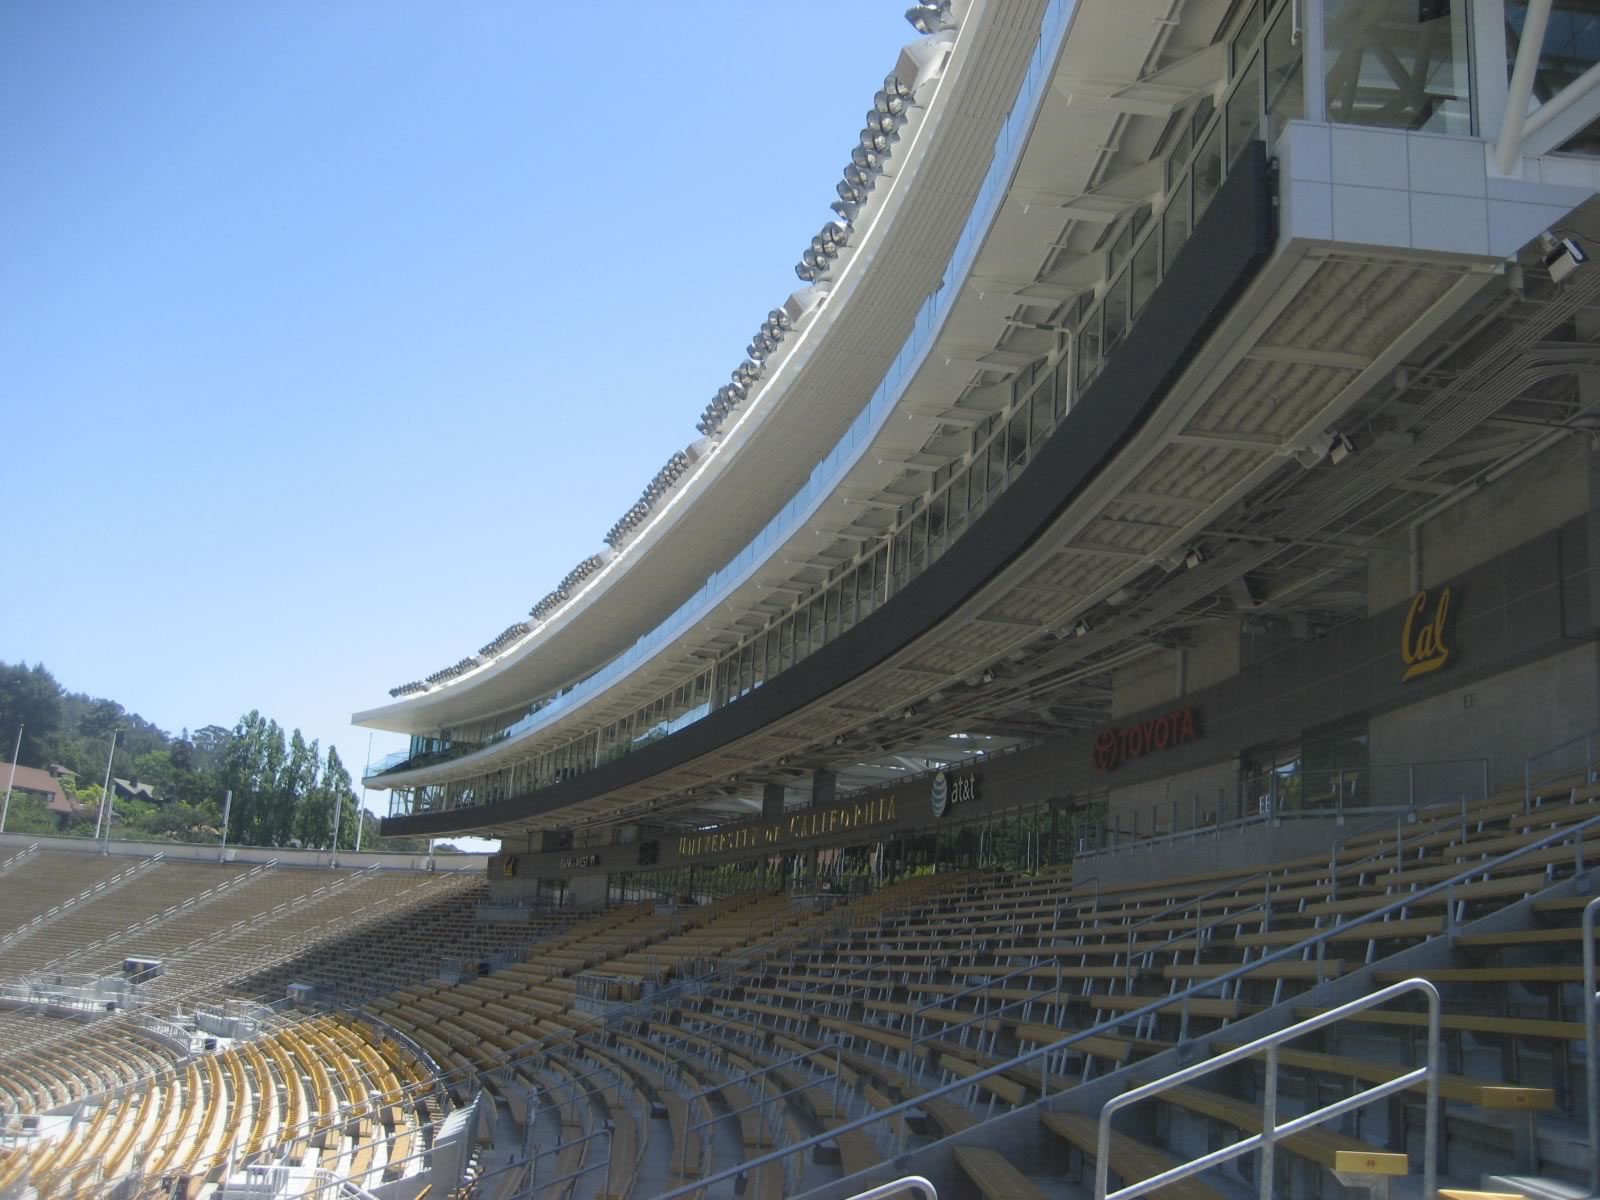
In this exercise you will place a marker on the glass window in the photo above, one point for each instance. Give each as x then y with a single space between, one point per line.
937 525
1404 64
1040 418
1017 438
1145 272
997 462
1285 92
1571 46
1207 174
1245 39
1244 110
1116 312
1088 349
1175 223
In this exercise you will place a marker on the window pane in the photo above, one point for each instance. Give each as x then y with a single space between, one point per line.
1145 273
1403 64
1207 175
1116 312
1285 92
1175 223
1244 110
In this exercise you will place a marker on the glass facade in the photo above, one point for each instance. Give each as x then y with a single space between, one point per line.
1404 64
1571 46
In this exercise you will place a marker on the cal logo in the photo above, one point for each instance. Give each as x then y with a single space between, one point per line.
1423 647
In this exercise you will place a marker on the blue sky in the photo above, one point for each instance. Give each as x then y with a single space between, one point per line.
332 334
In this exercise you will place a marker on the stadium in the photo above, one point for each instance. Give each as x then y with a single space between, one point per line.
1106 704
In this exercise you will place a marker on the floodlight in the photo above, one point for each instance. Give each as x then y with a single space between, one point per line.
883 102
876 140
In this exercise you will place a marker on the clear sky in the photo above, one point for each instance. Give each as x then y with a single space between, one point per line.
333 334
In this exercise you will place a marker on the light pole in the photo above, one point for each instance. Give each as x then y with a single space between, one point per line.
15 754
338 809
361 812
227 811
105 796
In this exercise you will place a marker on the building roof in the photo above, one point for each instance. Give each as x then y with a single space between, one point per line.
134 789
39 783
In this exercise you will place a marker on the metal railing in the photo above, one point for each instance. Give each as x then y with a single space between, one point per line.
1591 1042
1271 1131
1530 781
1042 1054
1401 819
913 1184
1183 906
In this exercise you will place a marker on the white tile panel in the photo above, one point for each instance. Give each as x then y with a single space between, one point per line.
1458 224
1371 158
1372 216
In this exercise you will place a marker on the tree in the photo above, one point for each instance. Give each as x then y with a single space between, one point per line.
103 718
29 697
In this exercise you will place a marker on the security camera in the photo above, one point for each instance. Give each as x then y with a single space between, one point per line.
1562 256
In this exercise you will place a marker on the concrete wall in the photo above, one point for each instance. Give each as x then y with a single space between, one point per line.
248 854
1152 806
1505 718
1230 849
1539 496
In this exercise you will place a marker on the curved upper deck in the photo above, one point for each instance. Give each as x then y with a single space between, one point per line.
840 350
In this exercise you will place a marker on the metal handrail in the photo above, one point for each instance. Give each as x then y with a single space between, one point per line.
1271 1131
1588 740
904 1107
1335 867
1591 1042
750 1076
910 1183
1185 905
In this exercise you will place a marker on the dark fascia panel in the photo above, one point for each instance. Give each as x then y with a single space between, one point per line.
1231 242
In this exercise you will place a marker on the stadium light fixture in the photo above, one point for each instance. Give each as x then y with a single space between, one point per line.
888 104
930 17
876 141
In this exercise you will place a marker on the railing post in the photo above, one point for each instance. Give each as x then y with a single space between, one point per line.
1430 1134
1591 1044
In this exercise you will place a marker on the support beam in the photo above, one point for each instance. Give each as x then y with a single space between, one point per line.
1520 91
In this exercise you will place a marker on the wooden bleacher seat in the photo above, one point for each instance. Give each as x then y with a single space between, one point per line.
1130 1159
994 1175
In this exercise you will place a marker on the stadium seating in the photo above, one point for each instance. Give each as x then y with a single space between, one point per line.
648 1046
322 1092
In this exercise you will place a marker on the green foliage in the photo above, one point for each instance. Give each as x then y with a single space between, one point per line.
285 791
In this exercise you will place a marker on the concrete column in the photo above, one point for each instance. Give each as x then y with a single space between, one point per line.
824 785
